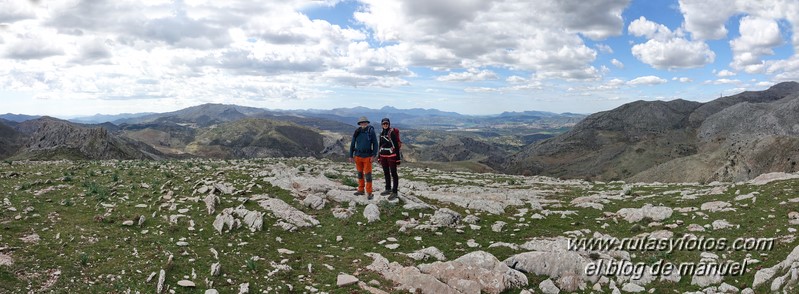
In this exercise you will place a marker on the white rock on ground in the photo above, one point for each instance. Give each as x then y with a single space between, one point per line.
764 275
186 283
287 213
632 288
716 206
445 217
552 264
371 213
161 278
482 271
656 213
497 226
215 269
314 202
721 224
344 280
408 278
425 253
770 177
210 203
548 287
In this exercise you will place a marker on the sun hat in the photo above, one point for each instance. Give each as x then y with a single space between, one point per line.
363 119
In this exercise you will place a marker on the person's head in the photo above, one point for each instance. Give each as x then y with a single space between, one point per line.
363 122
386 123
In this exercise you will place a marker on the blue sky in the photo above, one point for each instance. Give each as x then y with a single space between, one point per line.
471 56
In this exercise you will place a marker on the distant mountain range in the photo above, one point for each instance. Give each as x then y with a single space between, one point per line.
732 138
232 131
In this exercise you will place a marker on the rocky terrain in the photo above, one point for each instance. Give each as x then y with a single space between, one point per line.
732 138
293 225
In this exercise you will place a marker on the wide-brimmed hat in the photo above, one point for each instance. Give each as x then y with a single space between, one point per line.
363 119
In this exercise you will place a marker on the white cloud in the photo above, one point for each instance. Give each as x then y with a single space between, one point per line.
604 48
646 80
764 84
32 48
462 34
725 73
682 79
705 19
666 49
723 82
617 63
515 79
481 90
15 10
471 75
758 37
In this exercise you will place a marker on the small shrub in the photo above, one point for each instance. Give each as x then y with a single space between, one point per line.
115 177
331 176
349 182
251 265
84 259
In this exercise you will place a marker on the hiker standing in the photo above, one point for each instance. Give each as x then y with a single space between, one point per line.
363 148
390 157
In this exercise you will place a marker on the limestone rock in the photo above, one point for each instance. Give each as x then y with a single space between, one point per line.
371 213
548 287
491 275
656 213
445 217
344 280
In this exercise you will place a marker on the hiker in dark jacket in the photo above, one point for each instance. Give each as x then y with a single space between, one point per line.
363 148
390 157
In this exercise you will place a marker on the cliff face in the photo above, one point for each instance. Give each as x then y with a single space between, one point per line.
49 138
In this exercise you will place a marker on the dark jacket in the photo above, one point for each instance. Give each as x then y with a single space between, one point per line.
364 142
390 143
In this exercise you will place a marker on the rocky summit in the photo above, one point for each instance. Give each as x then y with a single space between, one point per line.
293 225
733 138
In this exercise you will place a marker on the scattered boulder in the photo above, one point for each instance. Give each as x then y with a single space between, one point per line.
371 213
425 253
314 202
497 226
445 217
491 275
548 287
716 206
288 214
186 283
344 280
656 213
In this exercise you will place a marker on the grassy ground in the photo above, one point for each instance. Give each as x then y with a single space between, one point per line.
82 236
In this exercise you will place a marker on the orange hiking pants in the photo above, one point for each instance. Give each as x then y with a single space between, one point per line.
364 167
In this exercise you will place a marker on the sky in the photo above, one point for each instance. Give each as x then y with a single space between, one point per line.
82 57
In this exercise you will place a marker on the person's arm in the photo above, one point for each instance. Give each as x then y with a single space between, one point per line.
352 147
375 144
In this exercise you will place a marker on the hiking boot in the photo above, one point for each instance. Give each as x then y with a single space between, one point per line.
370 196
359 193
394 195
386 192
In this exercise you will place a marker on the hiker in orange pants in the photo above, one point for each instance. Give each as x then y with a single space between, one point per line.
363 149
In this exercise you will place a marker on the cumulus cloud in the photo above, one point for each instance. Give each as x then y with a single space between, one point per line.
725 73
604 48
470 75
617 63
32 48
515 79
646 80
682 79
666 49
723 82
15 10
463 34
705 19
758 37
